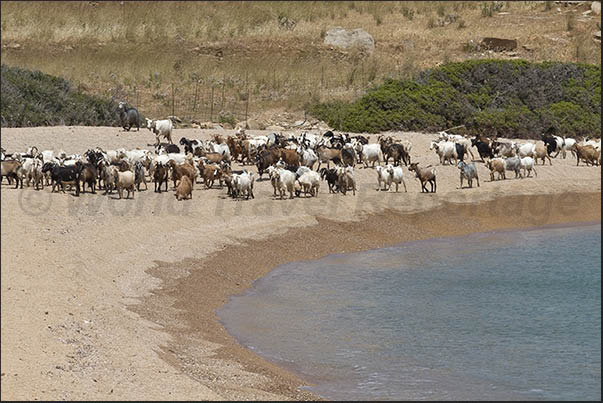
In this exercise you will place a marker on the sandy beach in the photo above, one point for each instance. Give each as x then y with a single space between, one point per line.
116 299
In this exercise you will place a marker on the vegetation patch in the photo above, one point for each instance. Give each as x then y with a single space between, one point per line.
509 98
32 98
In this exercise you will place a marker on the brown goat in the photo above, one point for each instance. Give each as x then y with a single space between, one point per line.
184 169
88 176
209 173
327 155
214 157
185 189
496 165
291 157
540 152
588 153
12 170
236 148
425 175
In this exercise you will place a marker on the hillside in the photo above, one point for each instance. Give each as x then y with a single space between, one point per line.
507 98
32 98
221 60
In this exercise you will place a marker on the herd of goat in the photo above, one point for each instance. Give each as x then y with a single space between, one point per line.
288 161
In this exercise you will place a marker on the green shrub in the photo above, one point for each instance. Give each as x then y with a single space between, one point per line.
32 98
505 97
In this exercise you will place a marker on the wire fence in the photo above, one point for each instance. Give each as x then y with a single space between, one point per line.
232 99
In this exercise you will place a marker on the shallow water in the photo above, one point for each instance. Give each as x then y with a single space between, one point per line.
500 315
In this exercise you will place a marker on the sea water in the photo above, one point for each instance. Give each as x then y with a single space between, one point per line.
499 315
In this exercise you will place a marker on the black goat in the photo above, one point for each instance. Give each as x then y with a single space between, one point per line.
330 175
161 176
69 175
129 117
169 148
483 148
460 151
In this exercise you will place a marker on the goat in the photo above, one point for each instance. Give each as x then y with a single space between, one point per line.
242 184
160 176
469 172
330 175
209 173
397 152
129 117
167 147
541 151
527 164
88 176
372 153
193 146
568 145
12 170
514 164
446 150
425 175
483 148
383 176
108 173
291 157
310 182
525 150
266 158
32 170
346 179
285 181
326 154
139 176
124 180
161 128
397 176
497 165
307 156
179 170
185 189
62 175
588 153
504 149
220 148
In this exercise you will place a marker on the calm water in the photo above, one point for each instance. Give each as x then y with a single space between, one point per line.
508 315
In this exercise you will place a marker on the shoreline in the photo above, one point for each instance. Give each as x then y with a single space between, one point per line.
193 289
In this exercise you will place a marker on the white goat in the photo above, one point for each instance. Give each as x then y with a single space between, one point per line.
383 176
161 128
310 182
446 150
372 153
242 184
285 181
397 176
527 164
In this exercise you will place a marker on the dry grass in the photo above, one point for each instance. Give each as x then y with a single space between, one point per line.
138 49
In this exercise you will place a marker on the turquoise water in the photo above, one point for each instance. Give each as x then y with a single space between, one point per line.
501 315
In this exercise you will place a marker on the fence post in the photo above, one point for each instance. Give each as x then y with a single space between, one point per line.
223 83
211 110
195 99
247 100
173 113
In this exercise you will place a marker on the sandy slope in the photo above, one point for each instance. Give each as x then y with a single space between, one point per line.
78 320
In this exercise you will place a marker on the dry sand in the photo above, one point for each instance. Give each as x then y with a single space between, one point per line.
115 299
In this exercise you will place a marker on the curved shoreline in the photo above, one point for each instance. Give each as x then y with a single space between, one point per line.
192 290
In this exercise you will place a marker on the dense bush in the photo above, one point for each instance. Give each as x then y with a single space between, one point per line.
32 98
511 98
